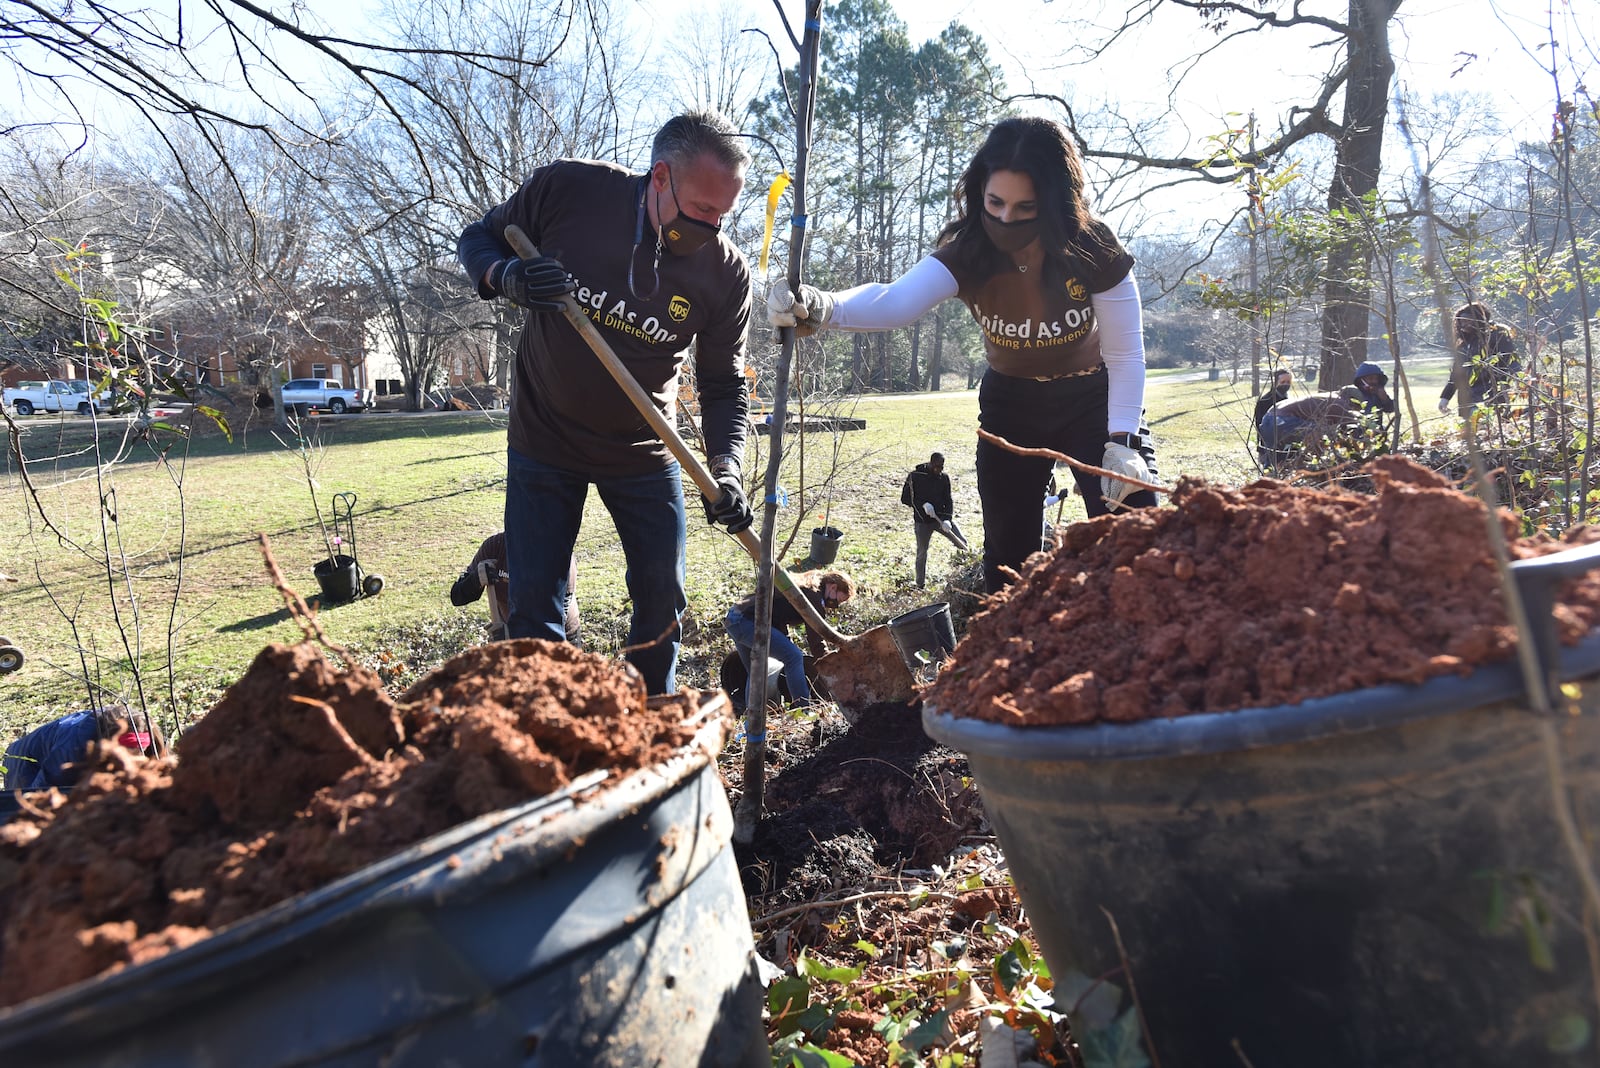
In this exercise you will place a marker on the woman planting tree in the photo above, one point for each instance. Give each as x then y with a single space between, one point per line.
1052 290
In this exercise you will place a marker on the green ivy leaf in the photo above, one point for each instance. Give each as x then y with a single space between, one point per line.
787 998
1010 969
792 1051
812 968
1117 1046
1092 1003
1569 1034
927 1032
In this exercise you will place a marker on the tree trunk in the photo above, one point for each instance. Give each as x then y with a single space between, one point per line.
1355 175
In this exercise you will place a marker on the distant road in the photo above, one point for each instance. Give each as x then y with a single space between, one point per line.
1203 374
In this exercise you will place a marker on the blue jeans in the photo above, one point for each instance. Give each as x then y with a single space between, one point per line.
1068 415
1280 432
742 629
544 509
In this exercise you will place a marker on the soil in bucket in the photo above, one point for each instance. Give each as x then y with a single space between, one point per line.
1259 596
1329 899
301 774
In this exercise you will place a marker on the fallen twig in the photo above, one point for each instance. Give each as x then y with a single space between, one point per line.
795 910
1133 989
1061 457
301 612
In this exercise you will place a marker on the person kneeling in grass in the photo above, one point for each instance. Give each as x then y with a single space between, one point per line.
825 589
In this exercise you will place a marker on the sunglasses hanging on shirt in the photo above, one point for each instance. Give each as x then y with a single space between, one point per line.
638 239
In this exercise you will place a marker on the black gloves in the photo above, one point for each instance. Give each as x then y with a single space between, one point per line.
730 509
536 284
467 588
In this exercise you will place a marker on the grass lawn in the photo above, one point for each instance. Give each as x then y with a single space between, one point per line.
429 488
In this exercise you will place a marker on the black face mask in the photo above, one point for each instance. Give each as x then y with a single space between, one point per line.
1011 236
682 235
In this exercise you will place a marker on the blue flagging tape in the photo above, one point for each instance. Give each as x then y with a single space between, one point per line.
756 739
814 24
798 221
781 498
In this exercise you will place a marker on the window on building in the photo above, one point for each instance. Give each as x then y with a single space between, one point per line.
319 370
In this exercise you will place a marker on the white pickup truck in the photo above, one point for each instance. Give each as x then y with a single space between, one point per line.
303 394
73 395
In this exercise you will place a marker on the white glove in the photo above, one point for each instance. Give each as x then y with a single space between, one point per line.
1124 461
807 313
927 507
1444 405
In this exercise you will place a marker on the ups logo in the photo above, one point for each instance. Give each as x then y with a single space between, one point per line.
1075 289
674 233
678 309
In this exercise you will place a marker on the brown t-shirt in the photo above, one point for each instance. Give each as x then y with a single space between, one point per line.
1037 323
567 411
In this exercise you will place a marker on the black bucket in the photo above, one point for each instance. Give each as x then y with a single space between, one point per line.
925 637
339 578
609 929
1374 878
825 544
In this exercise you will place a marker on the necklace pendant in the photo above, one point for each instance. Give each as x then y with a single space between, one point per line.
1023 267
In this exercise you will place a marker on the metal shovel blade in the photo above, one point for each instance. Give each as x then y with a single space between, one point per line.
865 671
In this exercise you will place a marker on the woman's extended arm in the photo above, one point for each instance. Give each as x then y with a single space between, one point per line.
886 305
1121 322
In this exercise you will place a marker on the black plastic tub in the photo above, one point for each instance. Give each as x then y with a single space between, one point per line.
339 578
1375 878
825 543
601 926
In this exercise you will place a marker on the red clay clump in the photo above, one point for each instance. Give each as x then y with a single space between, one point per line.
301 774
1260 596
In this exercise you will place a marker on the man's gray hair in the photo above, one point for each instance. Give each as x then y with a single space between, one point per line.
684 137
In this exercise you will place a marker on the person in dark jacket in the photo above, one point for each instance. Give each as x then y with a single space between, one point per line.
487 572
1279 390
825 589
1489 354
926 492
1369 390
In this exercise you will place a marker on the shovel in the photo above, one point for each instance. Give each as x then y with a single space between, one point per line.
862 671
954 535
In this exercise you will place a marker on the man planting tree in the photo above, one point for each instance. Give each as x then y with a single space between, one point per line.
645 258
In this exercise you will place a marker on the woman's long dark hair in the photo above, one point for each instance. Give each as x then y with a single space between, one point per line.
1043 150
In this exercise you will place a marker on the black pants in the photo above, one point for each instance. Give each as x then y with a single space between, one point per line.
1067 415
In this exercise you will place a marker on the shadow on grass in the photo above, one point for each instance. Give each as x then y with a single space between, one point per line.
282 615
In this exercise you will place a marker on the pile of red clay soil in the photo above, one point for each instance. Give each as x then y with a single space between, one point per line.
1253 597
301 774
